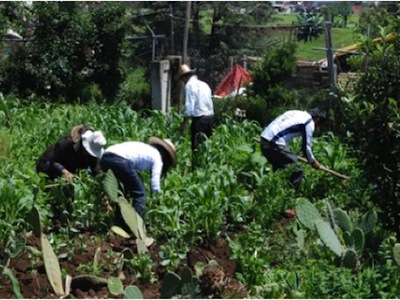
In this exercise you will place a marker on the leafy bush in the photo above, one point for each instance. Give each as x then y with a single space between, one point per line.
136 90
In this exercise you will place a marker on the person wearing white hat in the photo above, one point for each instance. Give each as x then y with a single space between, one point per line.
199 106
126 158
81 149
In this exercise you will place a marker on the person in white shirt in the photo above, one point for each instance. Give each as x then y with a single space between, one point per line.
291 124
199 106
124 159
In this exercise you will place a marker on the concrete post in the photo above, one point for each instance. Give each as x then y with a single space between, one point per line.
161 85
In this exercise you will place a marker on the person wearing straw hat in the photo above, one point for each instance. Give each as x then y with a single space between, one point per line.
80 149
291 124
199 106
125 159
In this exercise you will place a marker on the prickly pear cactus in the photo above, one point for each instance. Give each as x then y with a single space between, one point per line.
300 237
342 220
350 259
118 230
52 266
348 239
129 215
368 221
171 285
110 184
307 214
133 292
328 237
88 281
359 240
115 286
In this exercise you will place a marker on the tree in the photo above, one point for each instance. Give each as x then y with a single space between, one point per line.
370 121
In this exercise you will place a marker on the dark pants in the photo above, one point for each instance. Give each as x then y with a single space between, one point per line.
200 126
124 171
280 158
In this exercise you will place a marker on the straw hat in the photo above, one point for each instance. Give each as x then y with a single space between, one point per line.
167 145
94 142
185 70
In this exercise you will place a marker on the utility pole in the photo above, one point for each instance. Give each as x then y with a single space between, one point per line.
185 46
172 30
186 31
329 52
329 56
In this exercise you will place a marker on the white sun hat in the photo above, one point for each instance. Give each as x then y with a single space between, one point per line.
94 142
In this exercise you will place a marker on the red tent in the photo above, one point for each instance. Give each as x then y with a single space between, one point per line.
233 81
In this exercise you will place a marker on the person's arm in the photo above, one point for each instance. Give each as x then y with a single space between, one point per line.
189 107
156 175
307 141
60 151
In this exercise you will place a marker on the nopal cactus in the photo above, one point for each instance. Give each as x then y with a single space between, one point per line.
307 214
347 241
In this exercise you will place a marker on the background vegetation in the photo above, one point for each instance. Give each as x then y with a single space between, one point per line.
81 68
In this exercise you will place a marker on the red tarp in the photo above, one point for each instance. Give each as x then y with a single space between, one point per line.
236 78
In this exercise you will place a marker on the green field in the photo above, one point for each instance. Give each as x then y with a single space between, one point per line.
341 37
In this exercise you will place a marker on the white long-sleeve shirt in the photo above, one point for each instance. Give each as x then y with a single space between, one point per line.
198 98
143 156
291 124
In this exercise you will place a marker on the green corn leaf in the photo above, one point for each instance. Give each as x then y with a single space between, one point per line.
34 220
52 266
14 283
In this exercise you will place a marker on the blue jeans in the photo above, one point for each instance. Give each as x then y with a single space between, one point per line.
124 171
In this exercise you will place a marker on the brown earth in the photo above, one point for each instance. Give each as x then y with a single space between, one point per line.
30 272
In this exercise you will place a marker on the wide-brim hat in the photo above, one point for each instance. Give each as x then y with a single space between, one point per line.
94 142
185 70
167 145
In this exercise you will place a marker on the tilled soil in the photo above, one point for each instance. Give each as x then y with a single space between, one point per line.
29 270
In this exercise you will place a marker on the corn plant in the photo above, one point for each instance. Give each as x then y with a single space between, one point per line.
17 201
142 266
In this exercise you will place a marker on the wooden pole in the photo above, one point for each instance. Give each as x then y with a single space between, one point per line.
326 169
186 32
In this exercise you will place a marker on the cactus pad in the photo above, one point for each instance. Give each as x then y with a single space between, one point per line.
342 220
328 237
133 292
307 214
